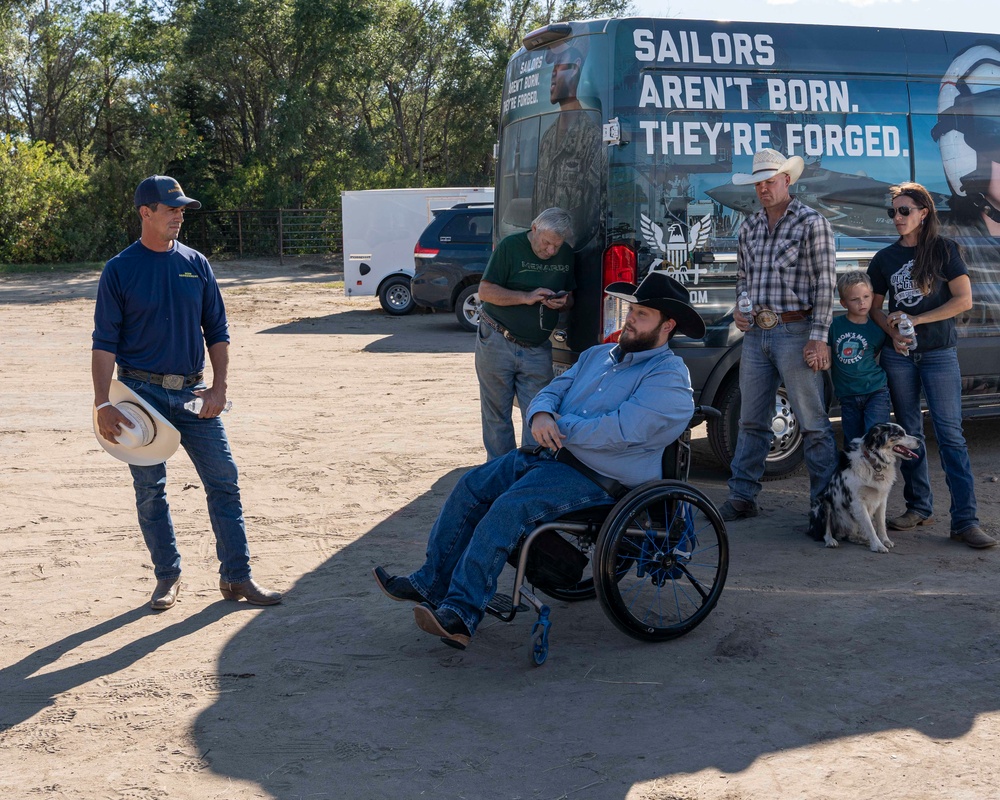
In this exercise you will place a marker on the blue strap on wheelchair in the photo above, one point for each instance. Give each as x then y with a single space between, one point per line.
540 637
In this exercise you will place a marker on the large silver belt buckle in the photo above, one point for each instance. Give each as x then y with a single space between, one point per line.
766 319
173 381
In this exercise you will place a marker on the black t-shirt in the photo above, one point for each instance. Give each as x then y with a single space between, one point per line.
890 271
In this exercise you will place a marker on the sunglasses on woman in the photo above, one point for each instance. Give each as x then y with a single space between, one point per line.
903 211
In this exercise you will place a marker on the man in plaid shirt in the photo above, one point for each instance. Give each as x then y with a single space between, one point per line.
786 264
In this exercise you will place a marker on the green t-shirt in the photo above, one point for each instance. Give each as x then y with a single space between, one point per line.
854 347
515 266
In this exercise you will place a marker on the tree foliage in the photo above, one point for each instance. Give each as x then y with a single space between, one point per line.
42 197
249 103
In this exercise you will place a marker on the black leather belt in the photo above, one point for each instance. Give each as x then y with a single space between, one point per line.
166 381
614 488
506 334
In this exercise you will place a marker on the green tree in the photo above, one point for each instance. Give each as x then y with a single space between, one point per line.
250 103
396 80
44 66
90 79
266 86
42 197
127 49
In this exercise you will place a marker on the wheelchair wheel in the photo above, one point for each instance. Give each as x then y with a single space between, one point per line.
584 590
661 560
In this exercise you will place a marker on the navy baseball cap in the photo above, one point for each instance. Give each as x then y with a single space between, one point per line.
163 189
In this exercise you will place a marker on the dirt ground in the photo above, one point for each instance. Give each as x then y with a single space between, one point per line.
821 673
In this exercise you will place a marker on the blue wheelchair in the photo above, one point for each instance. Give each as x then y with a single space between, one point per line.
657 559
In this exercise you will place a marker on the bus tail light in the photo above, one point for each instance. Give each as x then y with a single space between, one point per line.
619 264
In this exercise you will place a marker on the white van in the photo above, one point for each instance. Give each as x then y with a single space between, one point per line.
381 226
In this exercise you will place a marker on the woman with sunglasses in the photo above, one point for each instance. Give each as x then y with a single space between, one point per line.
924 277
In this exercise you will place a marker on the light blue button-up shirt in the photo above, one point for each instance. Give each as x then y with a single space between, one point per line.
619 412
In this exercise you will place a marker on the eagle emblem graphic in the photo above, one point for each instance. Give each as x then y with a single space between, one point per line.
673 248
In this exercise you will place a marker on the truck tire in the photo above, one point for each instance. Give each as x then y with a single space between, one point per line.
467 308
786 454
396 297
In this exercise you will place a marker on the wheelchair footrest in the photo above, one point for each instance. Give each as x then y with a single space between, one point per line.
502 604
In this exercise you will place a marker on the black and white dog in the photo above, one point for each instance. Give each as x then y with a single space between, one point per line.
852 506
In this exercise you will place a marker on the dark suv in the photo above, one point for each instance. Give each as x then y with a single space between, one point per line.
450 258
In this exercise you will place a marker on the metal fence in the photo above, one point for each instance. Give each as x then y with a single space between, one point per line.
274 232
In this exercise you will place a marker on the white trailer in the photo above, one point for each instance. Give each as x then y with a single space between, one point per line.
381 228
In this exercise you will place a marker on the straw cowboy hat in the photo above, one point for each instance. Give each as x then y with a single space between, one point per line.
767 163
151 441
658 290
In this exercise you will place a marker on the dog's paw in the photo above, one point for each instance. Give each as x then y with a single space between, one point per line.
888 543
831 542
880 548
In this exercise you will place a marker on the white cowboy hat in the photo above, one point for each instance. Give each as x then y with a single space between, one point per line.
153 439
767 163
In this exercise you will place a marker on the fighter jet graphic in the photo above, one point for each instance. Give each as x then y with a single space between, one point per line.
854 204
675 250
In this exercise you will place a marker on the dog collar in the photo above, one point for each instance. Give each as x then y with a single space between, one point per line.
875 465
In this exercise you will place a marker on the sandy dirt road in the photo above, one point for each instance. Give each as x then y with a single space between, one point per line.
821 674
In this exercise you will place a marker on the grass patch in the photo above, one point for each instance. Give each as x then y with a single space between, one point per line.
34 269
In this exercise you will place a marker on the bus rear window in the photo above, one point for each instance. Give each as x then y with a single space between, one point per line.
552 160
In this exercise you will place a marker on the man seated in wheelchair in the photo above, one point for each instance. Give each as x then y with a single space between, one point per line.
615 410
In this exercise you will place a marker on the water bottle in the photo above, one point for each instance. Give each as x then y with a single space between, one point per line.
194 406
905 328
745 307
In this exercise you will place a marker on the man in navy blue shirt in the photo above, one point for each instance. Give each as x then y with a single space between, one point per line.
158 308
616 409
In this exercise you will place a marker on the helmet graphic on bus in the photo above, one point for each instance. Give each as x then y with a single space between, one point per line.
968 126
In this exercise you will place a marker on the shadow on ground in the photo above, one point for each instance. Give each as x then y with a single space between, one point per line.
30 685
45 287
356 702
413 333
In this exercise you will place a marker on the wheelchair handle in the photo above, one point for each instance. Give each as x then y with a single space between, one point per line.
706 412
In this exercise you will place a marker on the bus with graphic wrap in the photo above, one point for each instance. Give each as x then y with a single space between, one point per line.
635 126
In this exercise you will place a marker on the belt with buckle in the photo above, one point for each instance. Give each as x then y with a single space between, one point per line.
614 488
166 381
506 334
767 319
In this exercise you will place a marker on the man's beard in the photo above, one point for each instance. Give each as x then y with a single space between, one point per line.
630 342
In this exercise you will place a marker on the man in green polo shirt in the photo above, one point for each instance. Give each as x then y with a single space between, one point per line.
527 283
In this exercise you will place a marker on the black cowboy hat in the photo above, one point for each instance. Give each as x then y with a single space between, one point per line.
658 290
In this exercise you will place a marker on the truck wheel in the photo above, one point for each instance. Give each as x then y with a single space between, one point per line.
467 308
396 297
786 454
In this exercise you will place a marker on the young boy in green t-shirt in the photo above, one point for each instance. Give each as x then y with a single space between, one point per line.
855 340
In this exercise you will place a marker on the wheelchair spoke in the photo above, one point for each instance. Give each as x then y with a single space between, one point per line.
670 557
697 584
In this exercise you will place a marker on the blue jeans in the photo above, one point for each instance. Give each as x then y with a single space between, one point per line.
206 444
506 369
769 359
858 412
485 516
937 373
